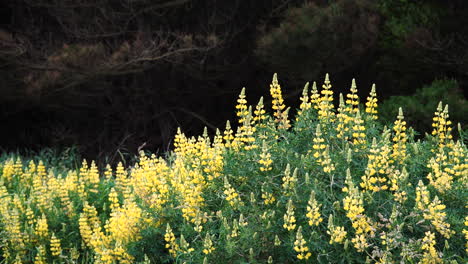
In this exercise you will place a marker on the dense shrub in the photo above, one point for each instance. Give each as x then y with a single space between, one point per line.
312 39
331 186
419 106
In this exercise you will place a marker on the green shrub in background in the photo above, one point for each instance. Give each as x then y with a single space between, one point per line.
312 39
419 107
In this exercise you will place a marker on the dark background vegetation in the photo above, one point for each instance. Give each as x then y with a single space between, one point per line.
114 76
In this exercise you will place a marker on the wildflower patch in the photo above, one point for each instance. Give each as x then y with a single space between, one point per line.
331 186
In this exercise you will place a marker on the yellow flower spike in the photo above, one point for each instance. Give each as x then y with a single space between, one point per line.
313 211
252 198
8 171
349 156
428 246
400 139
208 245
218 141
242 220
267 197
289 181
232 197
360 242
55 247
318 145
327 164
235 229
245 133
314 96
343 119
259 113
289 219
42 228
18 166
171 243
358 132
337 233
121 175
277 241
265 158
442 127
241 107
371 104
305 103
113 200
40 257
377 166
284 121
228 135
441 175
397 179
300 246
108 172
326 102
352 99
432 211
278 102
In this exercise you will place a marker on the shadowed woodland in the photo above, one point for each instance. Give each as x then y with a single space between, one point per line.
113 77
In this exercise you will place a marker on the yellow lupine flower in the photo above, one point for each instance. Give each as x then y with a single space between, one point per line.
171 244
371 104
313 211
400 139
441 126
55 247
430 254
259 113
325 112
265 158
208 245
42 228
278 102
289 219
337 234
242 107
358 131
432 211
231 195
305 103
40 257
352 99
300 246
343 119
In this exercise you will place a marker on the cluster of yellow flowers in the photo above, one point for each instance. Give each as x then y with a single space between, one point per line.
313 211
279 112
353 204
300 246
432 211
337 233
265 158
289 218
110 210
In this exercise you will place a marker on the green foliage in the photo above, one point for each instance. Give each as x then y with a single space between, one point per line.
403 18
312 39
420 106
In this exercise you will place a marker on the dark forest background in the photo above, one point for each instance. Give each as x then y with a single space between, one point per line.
111 76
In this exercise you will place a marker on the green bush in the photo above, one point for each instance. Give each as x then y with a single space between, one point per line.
420 106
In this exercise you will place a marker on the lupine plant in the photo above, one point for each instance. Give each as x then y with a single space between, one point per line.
330 186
